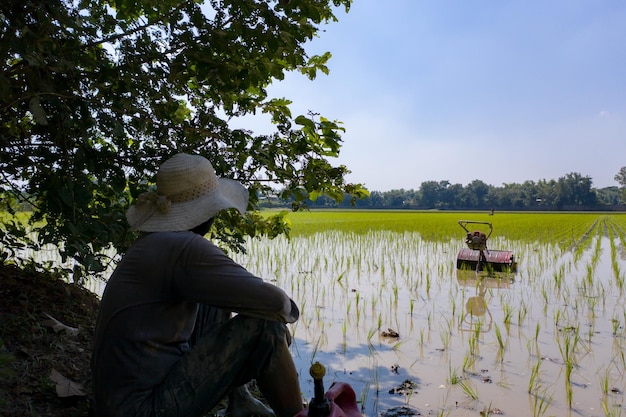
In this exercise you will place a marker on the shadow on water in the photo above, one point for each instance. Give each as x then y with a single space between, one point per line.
378 386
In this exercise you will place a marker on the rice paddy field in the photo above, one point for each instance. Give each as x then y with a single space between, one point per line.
385 309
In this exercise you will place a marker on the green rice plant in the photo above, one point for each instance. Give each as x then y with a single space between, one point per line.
452 307
605 382
469 360
616 325
363 394
478 328
567 346
469 389
589 275
522 312
537 330
557 317
473 342
611 410
558 279
534 380
540 402
453 376
370 335
501 344
508 314
340 279
396 346
316 349
619 356
487 411
445 339
618 276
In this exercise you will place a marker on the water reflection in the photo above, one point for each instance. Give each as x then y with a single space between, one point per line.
476 314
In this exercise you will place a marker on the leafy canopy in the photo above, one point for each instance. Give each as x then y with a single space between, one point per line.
96 94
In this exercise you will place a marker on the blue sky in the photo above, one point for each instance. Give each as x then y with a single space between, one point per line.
501 91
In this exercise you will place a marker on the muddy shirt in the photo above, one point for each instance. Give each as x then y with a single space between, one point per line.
148 310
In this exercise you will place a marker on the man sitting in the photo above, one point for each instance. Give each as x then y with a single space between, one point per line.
165 342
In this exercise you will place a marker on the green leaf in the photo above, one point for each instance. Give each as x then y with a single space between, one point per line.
104 92
305 121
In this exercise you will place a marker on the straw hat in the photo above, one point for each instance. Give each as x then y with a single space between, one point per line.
188 193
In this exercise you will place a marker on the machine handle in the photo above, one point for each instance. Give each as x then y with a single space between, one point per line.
463 224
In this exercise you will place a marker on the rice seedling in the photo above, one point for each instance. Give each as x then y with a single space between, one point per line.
501 344
469 360
605 379
522 312
445 339
508 314
473 344
534 380
453 376
615 323
469 389
567 345
363 395
488 411
540 402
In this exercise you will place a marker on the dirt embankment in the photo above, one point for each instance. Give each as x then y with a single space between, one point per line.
46 329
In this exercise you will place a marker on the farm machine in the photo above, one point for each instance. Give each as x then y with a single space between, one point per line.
477 256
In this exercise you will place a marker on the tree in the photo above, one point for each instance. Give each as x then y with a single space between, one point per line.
620 177
609 196
546 193
510 196
477 192
574 189
433 193
95 94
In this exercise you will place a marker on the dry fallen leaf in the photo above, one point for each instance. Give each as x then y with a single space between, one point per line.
57 326
65 387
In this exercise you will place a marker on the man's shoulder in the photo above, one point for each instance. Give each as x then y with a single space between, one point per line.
178 242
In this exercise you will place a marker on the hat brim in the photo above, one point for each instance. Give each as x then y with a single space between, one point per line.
189 214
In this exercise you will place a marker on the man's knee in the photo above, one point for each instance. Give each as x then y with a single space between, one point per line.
269 330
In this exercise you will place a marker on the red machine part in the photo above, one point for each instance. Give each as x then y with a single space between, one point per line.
498 260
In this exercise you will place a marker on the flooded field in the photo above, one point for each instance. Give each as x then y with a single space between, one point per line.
385 309
389 312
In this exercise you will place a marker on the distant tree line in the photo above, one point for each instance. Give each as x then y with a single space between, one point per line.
570 192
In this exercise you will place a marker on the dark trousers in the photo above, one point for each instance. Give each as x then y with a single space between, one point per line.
225 353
